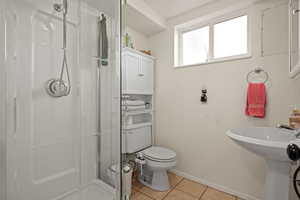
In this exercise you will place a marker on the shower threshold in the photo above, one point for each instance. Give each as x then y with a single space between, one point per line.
94 191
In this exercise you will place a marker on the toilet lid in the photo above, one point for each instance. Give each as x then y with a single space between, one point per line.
159 153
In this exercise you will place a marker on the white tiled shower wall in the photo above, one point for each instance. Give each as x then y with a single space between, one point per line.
65 125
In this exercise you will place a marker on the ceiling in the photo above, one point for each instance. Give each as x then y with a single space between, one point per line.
171 8
138 21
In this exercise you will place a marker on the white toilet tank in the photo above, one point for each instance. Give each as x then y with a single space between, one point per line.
136 139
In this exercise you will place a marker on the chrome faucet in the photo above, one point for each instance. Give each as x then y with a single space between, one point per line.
296 131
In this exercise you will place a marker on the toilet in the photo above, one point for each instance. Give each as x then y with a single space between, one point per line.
152 161
158 161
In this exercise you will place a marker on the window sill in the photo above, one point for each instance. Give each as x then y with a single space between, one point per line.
218 60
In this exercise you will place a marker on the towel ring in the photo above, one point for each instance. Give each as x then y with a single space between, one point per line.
258 71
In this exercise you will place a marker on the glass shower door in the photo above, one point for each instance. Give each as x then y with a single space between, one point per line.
59 147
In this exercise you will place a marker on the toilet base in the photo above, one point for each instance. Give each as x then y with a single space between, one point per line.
160 181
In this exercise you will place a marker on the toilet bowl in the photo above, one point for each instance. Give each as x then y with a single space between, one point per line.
158 161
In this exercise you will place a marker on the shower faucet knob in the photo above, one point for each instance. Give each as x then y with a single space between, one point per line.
57 88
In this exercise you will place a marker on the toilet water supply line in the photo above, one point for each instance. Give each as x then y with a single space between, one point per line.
140 160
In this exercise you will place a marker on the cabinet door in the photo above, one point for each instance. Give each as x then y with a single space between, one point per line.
131 80
146 75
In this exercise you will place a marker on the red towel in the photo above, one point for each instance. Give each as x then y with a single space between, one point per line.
256 100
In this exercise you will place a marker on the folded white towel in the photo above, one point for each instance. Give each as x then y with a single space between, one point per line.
132 108
133 102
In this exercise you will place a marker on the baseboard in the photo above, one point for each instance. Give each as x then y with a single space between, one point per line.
213 185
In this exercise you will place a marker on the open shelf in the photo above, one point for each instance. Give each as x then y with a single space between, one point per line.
138 112
135 126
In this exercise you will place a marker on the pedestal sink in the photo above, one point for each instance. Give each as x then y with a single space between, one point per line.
271 144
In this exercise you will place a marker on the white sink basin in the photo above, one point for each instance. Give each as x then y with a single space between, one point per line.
271 144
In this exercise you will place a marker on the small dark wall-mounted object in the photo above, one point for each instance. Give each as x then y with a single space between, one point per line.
204 96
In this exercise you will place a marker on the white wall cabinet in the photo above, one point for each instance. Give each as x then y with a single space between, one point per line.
137 72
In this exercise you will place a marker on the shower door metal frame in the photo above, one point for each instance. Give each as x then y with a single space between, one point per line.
122 18
2 105
5 75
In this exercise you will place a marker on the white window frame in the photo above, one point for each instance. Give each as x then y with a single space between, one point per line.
180 43
181 29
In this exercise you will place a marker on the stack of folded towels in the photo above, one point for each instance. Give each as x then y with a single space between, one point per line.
132 105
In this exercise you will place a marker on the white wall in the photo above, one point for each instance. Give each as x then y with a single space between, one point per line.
140 41
197 131
146 10
140 16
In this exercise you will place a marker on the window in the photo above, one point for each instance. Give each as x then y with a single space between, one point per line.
214 41
230 37
195 46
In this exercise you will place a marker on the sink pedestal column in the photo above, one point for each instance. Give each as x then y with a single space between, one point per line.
277 180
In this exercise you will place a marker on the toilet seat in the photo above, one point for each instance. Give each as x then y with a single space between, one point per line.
159 154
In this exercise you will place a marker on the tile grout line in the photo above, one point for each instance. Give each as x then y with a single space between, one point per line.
153 197
168 193
178 183
173 188
146 194
206 188
189 193
139 190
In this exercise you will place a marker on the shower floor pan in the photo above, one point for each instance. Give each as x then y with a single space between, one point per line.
95 191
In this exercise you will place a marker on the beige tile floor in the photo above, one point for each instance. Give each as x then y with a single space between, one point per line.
181 189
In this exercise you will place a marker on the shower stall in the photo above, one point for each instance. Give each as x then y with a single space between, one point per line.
60 100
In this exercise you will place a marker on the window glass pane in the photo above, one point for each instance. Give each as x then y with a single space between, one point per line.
195 45
230 37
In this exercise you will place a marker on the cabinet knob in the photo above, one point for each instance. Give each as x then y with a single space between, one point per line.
293 152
